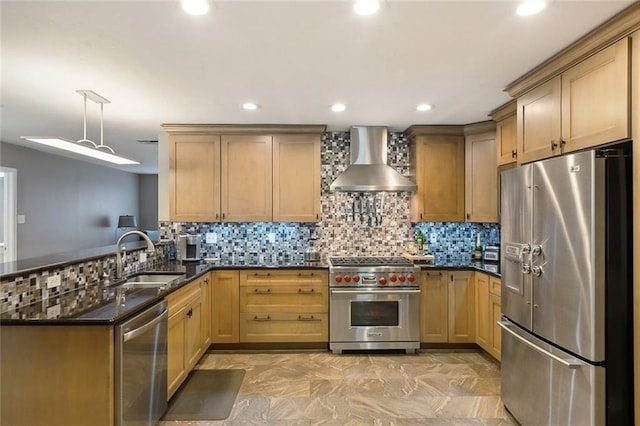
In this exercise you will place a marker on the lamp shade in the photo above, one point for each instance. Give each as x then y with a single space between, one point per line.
127 222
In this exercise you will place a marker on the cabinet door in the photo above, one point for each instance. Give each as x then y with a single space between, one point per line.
224 307
481 175
205 285
246 165
538 116
193 350
495 337
440 179
194 178
482 311
433 307
296 178
595 99
506 140
462 313
176 361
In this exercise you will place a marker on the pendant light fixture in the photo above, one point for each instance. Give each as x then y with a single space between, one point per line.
100 152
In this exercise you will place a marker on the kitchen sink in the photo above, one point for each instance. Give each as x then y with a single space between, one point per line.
150 281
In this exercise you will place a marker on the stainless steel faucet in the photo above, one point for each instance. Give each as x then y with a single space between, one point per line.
150 247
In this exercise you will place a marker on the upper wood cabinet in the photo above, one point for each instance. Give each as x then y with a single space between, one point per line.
585 106
296 178
506 133
481 174
246 167
437 162
244 173
194 170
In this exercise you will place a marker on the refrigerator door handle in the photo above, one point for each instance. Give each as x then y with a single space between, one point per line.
572 364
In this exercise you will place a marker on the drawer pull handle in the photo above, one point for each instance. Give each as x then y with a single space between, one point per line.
257 318
306 291
311 318
301 275
257 275
257 291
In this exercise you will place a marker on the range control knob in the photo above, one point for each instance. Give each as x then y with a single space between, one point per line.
393 278
356 278
402 278
383 281
411 278
347 278
338 278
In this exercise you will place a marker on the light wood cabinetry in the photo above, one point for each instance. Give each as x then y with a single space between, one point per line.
506 133
284 306
434 307
57 375
447 307
205 286
437 162
585 106
244 173
185 344
225 306
194 178
481 173
488 313
296 178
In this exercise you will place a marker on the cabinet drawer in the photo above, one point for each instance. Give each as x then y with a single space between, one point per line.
283 327
283 277
184 296
283 298
495 286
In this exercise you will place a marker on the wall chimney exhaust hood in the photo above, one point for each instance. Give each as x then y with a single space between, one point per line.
369 171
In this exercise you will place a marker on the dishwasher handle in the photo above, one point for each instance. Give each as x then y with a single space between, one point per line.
144 328
567 363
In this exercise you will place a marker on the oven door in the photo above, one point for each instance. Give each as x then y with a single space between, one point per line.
375 315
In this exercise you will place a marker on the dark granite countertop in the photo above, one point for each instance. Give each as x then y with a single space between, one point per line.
491 268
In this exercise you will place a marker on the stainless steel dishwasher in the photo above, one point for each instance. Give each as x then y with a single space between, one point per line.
141 367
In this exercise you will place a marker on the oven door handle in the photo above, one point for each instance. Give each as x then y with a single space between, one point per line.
374 291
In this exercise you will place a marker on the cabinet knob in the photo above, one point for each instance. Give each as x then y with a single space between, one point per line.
554 145
468 216
217 215
514 153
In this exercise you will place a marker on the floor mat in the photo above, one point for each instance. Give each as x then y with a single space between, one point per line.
205 395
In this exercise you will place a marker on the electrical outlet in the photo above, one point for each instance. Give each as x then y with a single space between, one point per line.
272 237
53 281
143 257
433 238
53 311
211 237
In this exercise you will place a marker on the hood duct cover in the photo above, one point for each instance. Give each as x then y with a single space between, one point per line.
369 171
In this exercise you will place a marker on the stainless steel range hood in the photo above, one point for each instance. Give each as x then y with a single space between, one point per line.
369 171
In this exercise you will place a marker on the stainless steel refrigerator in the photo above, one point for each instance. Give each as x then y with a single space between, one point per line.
567 330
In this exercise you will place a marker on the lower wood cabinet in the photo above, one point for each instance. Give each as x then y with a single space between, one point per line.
284 306
185 333
447 307
488 313
225 307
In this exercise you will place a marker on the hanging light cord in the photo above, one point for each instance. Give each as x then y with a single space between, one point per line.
84 139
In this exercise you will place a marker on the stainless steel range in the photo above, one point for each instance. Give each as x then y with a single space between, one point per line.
374 303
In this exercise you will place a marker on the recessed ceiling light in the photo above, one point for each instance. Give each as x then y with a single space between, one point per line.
424 107
338 107
195 7
250 106
530 7
366 7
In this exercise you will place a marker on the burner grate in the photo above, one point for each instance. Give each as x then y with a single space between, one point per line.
370 261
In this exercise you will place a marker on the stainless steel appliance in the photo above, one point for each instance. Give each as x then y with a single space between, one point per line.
189 247
141 367
567 355
374 304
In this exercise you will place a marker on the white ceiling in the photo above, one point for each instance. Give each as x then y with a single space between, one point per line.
294 58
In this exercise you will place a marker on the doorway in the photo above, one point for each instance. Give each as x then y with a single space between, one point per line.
8 231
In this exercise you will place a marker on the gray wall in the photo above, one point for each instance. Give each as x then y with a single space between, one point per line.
68 204
148 202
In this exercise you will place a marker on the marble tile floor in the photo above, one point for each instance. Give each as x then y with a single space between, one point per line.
366 388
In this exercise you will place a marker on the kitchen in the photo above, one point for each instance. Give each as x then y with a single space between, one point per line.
286 231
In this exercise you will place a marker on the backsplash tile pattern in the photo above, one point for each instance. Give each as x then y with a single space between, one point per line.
19 291
339 231
453 240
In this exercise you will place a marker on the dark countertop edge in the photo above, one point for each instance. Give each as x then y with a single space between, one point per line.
454 267
43 263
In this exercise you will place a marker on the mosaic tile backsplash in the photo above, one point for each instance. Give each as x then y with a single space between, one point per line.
341 230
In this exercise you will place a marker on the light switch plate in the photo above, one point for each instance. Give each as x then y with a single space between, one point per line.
21 219
53 311
143 257
211 237
272 237
53 281
433 238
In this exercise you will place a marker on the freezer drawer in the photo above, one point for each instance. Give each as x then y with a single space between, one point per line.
552 388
